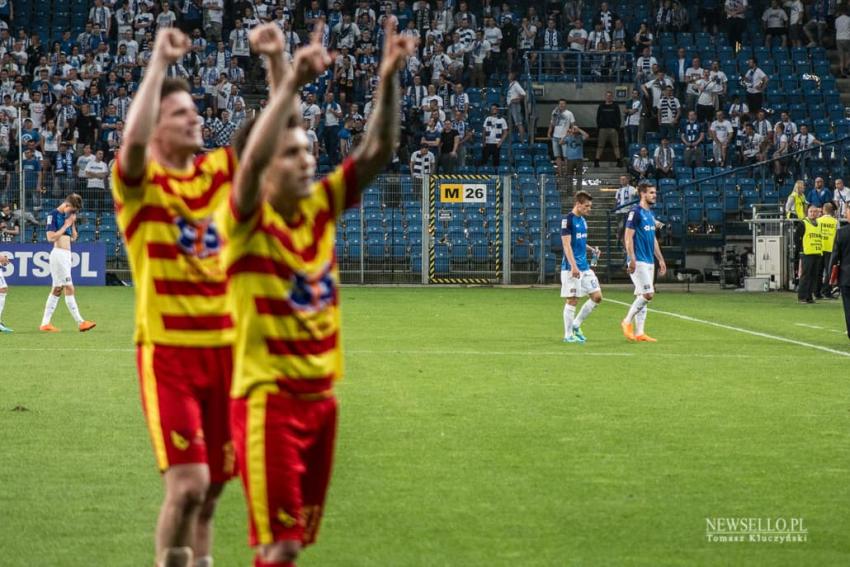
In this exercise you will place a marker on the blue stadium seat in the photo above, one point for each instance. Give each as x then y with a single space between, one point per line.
714 213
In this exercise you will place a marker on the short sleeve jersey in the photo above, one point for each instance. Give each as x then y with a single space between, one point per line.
575 227
284 284
55 220
642 221
174 248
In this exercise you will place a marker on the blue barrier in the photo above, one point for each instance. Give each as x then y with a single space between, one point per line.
30 263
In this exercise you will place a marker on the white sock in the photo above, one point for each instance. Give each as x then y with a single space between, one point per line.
52 302
2 305
71 303
569 313
205 561
585 312
640 322
639 303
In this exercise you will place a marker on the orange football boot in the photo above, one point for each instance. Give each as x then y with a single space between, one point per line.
87 326
645 339
49 328
628 330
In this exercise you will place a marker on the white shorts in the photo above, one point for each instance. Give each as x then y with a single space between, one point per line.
643 278
60 267
2 281
585 284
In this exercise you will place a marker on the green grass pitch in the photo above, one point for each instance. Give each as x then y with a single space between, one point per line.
470 435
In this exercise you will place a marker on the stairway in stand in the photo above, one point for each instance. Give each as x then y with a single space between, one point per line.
602 183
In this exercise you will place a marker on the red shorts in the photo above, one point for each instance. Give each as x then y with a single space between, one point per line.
185 396
284 450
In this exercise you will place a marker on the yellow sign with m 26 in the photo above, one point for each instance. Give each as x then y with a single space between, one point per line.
463 193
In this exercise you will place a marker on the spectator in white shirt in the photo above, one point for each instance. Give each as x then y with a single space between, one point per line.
663 158
577 38
842 41
796 11
692 75
721 132
495 134
756 81
775 23
842 197
641 166
516 103
559 124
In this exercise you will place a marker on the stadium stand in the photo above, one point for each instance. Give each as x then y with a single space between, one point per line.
72 66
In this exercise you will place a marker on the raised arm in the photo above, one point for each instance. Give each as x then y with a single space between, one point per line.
170 45
309 63
382 131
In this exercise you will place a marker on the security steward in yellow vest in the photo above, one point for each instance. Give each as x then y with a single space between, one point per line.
828 227
812 258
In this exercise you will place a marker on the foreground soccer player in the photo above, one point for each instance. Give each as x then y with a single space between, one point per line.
284 289
165 197
577 278
642 249
62 231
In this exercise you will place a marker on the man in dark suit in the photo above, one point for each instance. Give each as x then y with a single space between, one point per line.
841 257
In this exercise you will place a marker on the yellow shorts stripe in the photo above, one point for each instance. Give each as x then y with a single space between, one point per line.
151 400
255 461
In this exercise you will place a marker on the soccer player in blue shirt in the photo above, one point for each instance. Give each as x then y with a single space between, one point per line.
642 249
62 231
577 277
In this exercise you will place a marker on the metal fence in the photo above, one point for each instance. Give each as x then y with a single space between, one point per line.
580 67
700 206
443 229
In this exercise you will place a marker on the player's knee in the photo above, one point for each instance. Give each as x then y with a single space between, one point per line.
210 502
648 296
188 494
3 290
281 552
57 291
572 301
69 290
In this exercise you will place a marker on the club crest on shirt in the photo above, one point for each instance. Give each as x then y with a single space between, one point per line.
198 238
312 293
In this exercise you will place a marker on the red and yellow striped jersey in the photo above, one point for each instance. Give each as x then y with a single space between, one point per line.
284 287
174 250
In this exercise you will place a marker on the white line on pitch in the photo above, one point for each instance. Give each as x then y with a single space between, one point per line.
576 350
742 330
818 328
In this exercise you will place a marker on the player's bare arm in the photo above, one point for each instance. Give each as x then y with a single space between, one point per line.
662 266
629 241
170 45
566 240
309 63
382 130
69 222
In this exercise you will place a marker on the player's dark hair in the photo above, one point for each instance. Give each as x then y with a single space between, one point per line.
643 187
173 85
583 197
75 201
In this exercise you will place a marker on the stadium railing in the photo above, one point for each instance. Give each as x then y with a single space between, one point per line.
478 226
580 67
698 210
